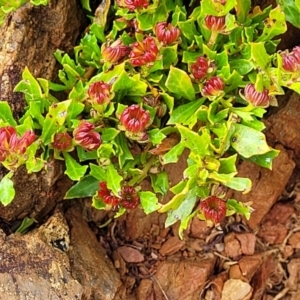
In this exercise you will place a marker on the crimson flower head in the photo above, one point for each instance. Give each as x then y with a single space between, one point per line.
86 136
214 23
291 61
135 119
133 4
62 141
256 98
199 68
129 197
143 53
12 147
213 209
166 33
115 52
106 195
99 92
213 87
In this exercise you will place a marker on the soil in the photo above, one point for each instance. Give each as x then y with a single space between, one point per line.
77 252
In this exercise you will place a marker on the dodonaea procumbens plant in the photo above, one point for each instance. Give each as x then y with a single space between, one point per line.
152 80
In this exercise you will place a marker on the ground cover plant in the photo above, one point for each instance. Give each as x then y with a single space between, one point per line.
149 81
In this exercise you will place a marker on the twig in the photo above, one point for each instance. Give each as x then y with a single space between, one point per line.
281 294
160 287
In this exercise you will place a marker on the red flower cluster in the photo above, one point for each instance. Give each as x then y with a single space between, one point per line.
166 33
129 197
11 144
214 23
291 61
199 68
99 92
213 87
143 53
213 209
135 119
115 52
133 4
86 137
256 98
62 141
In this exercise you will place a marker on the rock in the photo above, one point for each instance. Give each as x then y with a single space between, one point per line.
89 262
236 289
171 246
232 246
199 229
267 185
293 267
275 225
182 279
250 264
284 125
236 273
131 255
294 240
32 268
145 290
247 242
259 280
216 285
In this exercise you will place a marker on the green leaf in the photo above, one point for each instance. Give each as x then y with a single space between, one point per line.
184 209
160 182
239 207
227 164
265 160
199 144
113 180
248 141
6 114
98 172
274 25
173 155
179 83
215 8
124 153
26 223
55 118
242 66
155 136
74 170
7 191
182 113
29 86
84 155
242 9
260 55
291 11
188 29
109 134
39 2
149 202
86 187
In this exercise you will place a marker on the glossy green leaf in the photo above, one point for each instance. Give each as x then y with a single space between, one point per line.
74 170
160 182
248 141
215 8
239 207
242 66
109 134
242 9
173 155
155 136
179 83
113 179
149 202
54 119
265 160
7 190
26 223
260 55
291 10
86 187
6 114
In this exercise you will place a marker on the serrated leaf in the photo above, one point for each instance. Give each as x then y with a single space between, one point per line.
248 141
265 160
74 170
179 83
260 55
160 182
6 114
149 202
113 179
239 207
86 187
